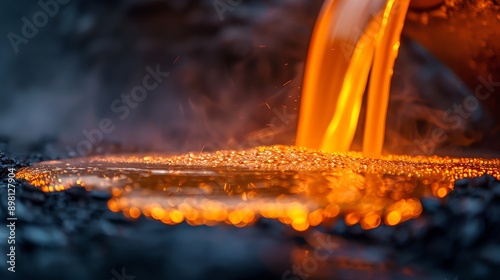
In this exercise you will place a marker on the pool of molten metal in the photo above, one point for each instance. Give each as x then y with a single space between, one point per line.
296 186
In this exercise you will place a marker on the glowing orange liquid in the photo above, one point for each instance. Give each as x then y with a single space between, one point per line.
337 70
296 186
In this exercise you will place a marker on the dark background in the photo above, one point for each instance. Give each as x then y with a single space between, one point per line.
223 71
66 77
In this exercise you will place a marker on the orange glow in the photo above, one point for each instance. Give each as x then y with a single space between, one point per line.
386 51
352 218
112 205
235 217
176 216
312 184
316 217
134 212
300 226
331 211
442 192
296 186
393 218
370 220
157 213
338 65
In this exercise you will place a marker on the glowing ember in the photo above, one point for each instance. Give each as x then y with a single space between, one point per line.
297 186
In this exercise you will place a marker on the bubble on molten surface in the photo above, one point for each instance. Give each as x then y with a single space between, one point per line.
296 186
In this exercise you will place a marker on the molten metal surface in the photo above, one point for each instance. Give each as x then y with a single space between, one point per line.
297 186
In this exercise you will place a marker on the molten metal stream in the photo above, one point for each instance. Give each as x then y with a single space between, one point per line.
296 186
348 36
